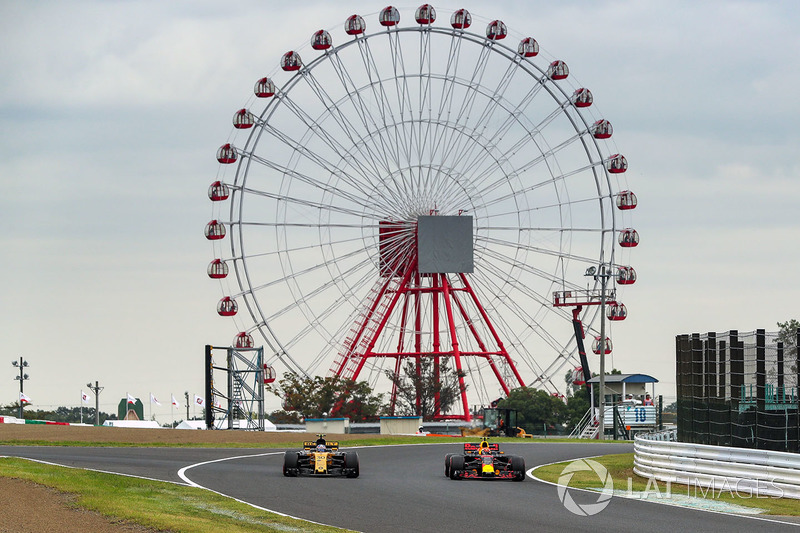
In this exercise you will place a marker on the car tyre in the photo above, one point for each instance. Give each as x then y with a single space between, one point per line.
456 466
351 464
447 464
290 460
518 466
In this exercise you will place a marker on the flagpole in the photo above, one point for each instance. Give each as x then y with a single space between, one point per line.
151 405
81 404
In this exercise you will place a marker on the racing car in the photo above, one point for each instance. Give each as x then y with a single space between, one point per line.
484 461
320 458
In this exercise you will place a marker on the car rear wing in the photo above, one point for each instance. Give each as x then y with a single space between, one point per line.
311 445
475 447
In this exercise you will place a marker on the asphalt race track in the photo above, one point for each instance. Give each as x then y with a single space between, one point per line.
401 488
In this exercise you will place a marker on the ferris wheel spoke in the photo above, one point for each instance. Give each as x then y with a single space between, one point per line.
512 305
446 102
293 276
395 137
317 320
560 254
365 176
372 154
322 206
455 146
405 106
386 149
385 101
471 153
315 130
313 182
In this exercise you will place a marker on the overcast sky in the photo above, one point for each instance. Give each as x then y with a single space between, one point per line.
112 111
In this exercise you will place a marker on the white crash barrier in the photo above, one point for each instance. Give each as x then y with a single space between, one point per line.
740 470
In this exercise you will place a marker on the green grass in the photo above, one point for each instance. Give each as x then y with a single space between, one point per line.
154 504
620 466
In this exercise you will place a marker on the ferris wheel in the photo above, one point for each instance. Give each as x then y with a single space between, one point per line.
419 192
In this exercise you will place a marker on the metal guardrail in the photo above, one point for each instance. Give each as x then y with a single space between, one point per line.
739 470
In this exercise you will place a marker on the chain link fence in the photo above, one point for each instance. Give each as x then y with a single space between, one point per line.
739 389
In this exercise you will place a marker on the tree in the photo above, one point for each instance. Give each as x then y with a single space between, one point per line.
535 408
577 406
788 335
317 397
420 393
60 414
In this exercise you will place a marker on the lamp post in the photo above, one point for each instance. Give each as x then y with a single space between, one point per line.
21 364
96 388
601 274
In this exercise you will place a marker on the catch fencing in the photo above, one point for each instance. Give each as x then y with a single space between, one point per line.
739 389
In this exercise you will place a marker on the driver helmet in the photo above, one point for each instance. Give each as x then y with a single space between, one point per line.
320 447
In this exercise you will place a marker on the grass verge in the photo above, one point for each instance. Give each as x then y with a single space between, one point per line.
154 504
620 466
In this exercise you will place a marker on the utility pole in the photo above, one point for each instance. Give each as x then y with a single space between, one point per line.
22 364
187 404
96 389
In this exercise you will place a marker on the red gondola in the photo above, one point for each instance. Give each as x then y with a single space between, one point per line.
290 61
582 97
596 345
528 47
617 164
626 275
558 70
461 19
215 230
227 307
576 378
264 88
354 25
616 311
629 237
425 14
389 16
243 340
218 191
496 30
217 269
626 200
321 40
243 119
269 374
601 129
226 154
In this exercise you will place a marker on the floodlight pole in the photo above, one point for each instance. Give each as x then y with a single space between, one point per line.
96 388
603 273
22 364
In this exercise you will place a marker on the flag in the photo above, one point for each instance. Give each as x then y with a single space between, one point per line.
131 399
199 401
218 404
84 397
24 399
174 401
154 400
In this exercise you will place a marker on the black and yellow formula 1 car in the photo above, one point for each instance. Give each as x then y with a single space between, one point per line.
484 461
320 458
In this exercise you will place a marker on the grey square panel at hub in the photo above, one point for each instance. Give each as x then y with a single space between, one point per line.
444 244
